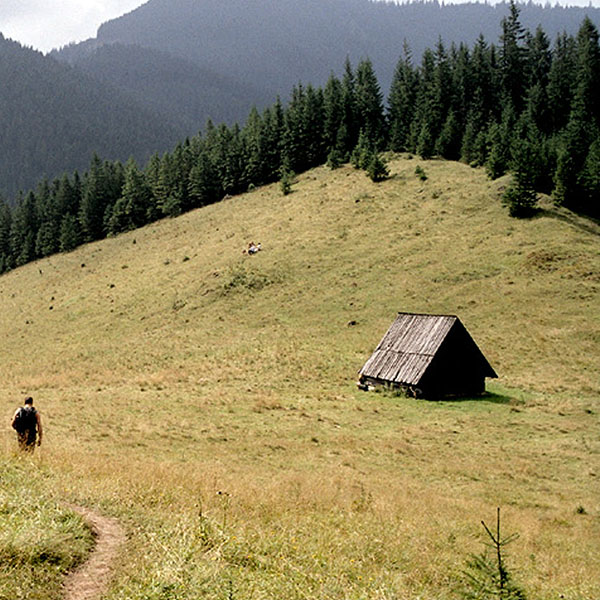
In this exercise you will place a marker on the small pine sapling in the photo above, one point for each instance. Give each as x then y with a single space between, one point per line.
377 169
520 200
287 178
362 153
487 576
420 173
334 159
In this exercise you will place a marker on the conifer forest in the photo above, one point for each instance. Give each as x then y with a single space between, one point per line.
524 105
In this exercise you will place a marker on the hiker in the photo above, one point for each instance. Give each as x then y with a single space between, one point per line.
27 422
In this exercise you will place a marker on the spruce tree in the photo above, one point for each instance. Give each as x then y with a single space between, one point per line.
286 180
468 152
46 236
130 210
539 58
572 154
23 231
350 122
377 169
426 115
561 82
525 165
230 159
566 176
538 71
589 180
484 101
448 143
271 141
49 217
182 163
369 103
335 159
152 173
68 195
204 184
587 78
443 91
363 152
70 235
316 150
167 192
401 103
499 140
512 57
295 136
6 257
253 159
94 201
426 140
333 114
583 126
462 85
114 172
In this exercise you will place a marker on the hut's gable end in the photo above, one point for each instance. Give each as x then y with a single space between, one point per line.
458 367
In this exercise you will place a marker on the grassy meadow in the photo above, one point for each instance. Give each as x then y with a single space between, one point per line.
207 398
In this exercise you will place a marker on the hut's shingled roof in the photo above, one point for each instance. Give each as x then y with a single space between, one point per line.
408 348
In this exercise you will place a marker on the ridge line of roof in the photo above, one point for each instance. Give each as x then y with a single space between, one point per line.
426 315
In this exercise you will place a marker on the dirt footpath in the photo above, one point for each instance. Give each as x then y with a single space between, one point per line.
92 578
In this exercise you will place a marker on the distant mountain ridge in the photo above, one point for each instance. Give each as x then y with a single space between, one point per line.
167 84
53 118
201 59
274 44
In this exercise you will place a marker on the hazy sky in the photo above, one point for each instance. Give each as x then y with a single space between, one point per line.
48 24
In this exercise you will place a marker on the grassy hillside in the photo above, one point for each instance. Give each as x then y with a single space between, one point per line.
208 399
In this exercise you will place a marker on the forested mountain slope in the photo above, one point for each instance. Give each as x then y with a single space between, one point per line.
274 45
174 86
53 118
194 60
185 61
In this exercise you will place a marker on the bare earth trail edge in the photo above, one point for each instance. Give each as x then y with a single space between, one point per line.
91 579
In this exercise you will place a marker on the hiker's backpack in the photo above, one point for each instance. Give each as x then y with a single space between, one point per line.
25 419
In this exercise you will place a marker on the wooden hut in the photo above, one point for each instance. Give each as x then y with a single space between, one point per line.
430 356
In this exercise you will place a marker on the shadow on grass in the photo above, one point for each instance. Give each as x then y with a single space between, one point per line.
491 397
486 397
581 221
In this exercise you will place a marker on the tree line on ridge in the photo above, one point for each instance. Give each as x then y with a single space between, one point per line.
524 105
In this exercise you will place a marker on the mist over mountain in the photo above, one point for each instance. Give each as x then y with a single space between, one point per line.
53 118
272 45
198 59
188 93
